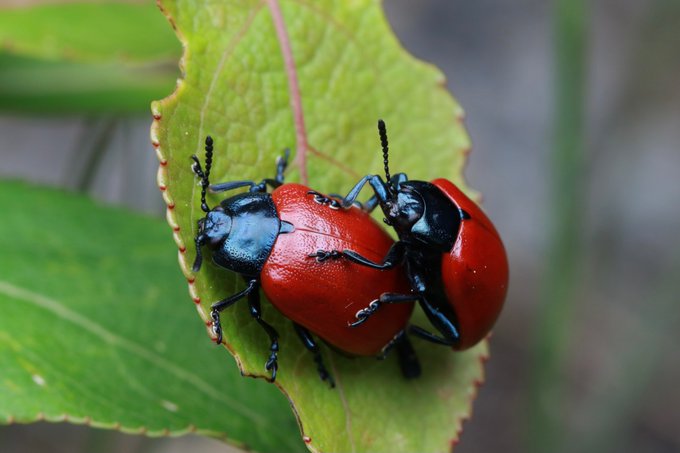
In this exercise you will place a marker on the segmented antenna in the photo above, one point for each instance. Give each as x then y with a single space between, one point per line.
382 130
205 183
205 176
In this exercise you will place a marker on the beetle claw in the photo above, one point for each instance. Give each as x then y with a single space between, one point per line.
363 314
323 255
272 365
216 326
325 200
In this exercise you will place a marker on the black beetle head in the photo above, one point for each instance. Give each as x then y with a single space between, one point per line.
404 206
213 230
403 209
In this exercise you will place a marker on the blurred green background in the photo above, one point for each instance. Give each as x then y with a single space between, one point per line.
573 108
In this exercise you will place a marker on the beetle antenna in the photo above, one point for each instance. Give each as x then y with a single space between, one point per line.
382 130
205 176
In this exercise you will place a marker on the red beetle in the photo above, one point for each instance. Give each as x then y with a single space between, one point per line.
455 260
272 239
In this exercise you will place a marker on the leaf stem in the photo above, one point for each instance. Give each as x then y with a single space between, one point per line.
561 279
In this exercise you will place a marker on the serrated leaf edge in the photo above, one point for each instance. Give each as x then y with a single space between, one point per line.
118 426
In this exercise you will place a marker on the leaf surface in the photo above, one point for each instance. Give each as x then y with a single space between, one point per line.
95 328
260 76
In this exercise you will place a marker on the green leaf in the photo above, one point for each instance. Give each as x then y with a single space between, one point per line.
98 31
240 85
31 85
85 57
95 329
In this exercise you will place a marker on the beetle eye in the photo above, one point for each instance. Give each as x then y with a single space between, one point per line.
201 226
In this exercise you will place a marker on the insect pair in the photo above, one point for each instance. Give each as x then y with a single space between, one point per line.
326 265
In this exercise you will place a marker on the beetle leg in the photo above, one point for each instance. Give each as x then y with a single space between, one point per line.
432 338
445 326
231 185
339 197
281 164
262 186
376 182
223 304
394 257
373 202
408 359
370 204
323 255
256 312
323 199
311 345
253 186
385 298
196 167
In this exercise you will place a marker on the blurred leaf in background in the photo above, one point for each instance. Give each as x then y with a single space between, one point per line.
85 57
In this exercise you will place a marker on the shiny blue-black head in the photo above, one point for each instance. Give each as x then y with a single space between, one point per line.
213 229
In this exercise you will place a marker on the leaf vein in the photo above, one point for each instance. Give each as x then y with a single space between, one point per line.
111 338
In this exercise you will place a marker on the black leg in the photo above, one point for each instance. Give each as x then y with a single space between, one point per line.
256 312
428 336
231 185
323 255
408 359
253 186
445 326
385 298
370 204
377 184
217 307
281 164
311 345
337 196
397 179
204 175
394 257
327 200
